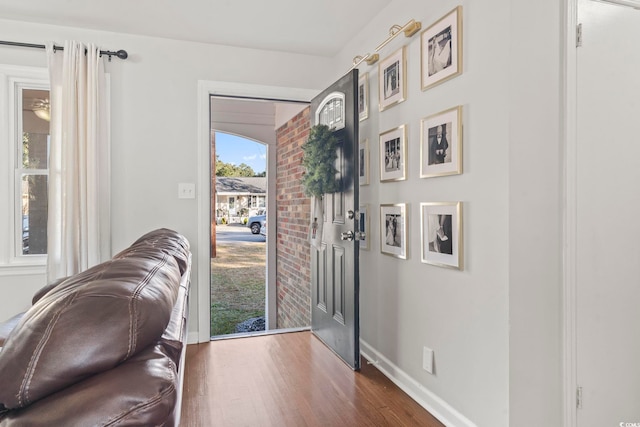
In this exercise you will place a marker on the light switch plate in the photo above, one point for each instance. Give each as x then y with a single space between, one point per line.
427 359
186 190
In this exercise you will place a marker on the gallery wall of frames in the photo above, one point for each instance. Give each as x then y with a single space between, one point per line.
440 147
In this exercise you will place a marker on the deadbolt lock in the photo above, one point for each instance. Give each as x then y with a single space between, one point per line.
347 235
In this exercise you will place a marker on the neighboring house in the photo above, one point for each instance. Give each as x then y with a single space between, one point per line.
239 197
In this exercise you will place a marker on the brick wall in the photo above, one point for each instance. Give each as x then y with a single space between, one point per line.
293 272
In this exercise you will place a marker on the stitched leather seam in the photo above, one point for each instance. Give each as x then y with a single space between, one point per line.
133 306
152 401
23 394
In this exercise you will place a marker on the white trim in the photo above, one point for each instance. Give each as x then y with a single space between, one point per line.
192 337
12 262
202 282
22 270
436 406
629 3
261 333
570 216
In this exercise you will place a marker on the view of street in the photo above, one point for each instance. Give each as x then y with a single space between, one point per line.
238 275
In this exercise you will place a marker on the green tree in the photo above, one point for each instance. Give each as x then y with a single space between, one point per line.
228 169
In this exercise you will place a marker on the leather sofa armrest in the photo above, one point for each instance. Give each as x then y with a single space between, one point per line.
46 288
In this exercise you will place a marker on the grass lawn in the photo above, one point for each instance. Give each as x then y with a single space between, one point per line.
237 285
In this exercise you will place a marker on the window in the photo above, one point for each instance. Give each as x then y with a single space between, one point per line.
257 201
331 111
24 158
32 172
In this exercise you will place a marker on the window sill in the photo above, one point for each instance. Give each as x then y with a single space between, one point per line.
22 269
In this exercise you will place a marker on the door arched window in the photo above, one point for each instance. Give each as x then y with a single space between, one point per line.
330 112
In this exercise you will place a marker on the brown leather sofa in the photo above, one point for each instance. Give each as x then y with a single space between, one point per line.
104 347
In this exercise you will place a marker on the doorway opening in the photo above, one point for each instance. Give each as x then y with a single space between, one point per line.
253 289
238 267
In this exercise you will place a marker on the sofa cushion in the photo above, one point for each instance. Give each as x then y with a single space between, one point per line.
140 392
93 321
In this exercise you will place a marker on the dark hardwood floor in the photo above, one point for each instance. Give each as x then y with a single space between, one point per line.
288 379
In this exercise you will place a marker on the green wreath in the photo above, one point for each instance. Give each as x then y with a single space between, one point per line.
319 160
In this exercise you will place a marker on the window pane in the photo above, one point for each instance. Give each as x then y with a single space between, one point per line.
35 129
34 214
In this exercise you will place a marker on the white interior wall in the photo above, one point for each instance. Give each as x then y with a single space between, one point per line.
154 99
536 165
494 327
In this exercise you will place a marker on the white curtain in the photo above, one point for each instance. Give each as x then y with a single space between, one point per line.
79 161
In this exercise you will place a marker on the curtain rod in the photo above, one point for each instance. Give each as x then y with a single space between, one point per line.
122 54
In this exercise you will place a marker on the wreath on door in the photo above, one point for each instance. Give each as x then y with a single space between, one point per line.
319 160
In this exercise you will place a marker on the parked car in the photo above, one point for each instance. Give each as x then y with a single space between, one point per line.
255 222
263 229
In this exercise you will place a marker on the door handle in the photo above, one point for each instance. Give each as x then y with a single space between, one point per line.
347 235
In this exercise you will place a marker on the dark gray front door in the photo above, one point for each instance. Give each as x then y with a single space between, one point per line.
335 266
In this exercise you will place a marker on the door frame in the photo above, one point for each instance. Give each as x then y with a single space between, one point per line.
570 243
201 282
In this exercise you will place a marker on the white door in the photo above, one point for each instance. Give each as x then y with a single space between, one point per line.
608 215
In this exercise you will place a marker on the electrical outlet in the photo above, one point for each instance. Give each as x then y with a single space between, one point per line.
427 359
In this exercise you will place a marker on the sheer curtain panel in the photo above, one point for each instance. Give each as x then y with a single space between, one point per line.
79 194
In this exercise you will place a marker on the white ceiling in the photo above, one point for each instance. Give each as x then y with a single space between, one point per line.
297 26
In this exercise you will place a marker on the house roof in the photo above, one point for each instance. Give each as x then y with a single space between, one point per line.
241 185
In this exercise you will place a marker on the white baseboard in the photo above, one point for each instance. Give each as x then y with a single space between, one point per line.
193 338
425 398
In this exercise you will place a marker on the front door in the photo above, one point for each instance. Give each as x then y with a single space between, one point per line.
335 266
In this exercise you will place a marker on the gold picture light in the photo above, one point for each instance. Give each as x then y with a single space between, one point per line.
409 29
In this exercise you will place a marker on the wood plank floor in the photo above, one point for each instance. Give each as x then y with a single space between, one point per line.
288 379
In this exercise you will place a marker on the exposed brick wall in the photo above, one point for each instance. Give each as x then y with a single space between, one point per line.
293 272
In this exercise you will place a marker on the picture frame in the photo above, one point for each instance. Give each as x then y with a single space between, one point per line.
364 227
441 50
392 79
363 96
363 162
393 230
441 143
393 154
441 234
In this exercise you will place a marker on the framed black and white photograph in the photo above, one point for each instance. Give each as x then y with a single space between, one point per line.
441 144
393 230
441 234
393 155
392 86
363 162
363 96
363 227
441 49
